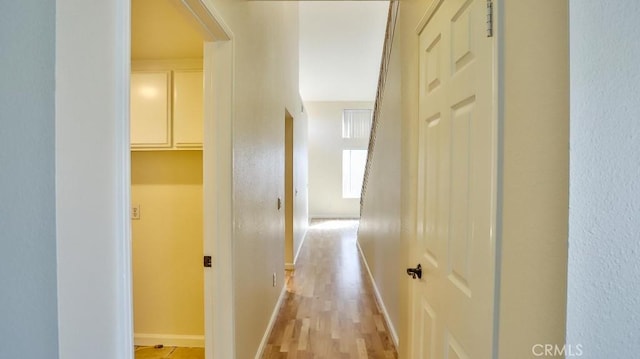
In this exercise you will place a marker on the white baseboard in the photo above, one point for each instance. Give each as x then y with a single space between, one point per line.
169 340
385 313
272 322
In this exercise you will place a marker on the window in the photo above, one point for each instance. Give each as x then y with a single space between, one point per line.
353 163
356 123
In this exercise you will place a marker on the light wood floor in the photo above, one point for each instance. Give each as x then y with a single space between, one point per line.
330 309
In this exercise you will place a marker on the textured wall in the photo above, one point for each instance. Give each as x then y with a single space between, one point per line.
604 246
28 314
325 159
265 83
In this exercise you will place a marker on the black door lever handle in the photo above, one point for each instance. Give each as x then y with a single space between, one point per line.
415 272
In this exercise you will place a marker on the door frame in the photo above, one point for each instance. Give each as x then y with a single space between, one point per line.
217 161
289 190
93 171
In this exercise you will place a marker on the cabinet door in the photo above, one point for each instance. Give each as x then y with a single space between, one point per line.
187 109
150 110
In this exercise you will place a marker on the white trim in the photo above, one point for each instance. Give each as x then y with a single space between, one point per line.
209 20
428 15
289 266
123 173
221 61
272 322
169 340
383 308
219 58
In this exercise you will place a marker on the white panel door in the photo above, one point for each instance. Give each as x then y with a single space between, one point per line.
452 309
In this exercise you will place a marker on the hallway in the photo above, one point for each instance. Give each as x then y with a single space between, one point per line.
330 310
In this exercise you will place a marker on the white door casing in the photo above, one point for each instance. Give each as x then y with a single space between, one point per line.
453 304
217 175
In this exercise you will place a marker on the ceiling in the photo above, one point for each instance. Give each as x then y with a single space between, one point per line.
340 43
340 49
159 30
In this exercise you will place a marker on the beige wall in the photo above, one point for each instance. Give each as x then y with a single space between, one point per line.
533 235
380 222
325 159
167 243
535 179
265 40
411 12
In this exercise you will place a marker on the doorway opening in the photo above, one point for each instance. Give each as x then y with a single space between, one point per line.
289 191
166 135
190 150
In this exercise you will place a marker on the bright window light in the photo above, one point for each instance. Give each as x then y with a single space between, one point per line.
356 123
353 163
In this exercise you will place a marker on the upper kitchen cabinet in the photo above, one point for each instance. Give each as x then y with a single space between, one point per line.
150 110
187 109
166 109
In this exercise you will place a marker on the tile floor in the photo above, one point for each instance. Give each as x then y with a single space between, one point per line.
169 352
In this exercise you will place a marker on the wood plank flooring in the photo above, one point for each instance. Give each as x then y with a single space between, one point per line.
330 309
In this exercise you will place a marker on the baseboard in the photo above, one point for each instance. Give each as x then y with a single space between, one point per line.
289 266
272 322
169 340
385 313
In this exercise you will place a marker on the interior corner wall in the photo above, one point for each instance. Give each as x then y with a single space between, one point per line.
265 41
28 318
603 308
380 222
325 159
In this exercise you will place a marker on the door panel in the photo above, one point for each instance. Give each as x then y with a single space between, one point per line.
453 302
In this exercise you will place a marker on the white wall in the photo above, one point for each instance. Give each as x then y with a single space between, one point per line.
28 304
604 246
325 159
92 184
